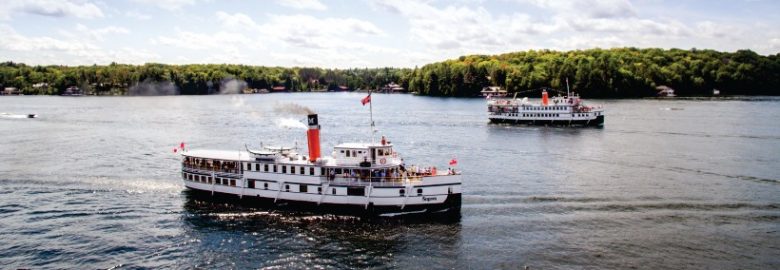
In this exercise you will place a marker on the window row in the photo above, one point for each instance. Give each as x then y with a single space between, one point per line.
210 180
541 115
545 108
302 170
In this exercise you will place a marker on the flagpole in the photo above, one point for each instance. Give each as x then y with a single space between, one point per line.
371 115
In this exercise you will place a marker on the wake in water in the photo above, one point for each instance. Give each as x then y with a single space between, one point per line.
18 116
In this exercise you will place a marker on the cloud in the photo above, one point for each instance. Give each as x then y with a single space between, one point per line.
303 4
587 8
98 34
200 41
14 41
137 15
171 5
302 30
51 8
74 49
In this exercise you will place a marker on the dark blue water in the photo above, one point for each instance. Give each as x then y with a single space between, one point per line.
93 183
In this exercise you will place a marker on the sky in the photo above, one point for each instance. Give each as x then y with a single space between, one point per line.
371 33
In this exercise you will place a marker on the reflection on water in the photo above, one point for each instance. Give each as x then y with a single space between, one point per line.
273 238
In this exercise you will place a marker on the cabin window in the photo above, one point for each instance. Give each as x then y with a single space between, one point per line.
353 153
322 171
292 169
333 191
347 153
304 188
233 182
287 188
311 171
284 169
265 167
257 167
275 168
401 192
303 170
250 183
319 190
265 185
338 171
419 192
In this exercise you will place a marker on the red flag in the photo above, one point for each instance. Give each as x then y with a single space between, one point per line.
366 99
453 162
181 145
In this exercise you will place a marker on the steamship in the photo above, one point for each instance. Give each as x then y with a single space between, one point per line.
357 178
567 110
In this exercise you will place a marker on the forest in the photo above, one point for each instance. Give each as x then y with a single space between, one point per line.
601 73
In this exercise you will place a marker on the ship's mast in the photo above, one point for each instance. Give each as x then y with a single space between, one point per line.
567 88
371 115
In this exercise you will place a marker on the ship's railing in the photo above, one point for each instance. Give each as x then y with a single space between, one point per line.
209 172
211 169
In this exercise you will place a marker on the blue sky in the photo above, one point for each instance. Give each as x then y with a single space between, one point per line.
372 33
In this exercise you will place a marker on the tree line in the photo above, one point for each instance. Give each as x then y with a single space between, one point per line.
196 79
604 73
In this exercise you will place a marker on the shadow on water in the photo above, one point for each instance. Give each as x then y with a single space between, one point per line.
251 236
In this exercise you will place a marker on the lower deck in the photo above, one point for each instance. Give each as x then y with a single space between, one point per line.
370 196
585 120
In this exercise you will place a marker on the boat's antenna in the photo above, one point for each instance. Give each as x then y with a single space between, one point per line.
567 87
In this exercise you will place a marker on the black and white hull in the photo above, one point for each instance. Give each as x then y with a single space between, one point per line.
564 111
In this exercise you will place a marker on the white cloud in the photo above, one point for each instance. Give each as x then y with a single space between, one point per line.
588 8
98 34
73 50
303 4
52 8
167 4
227 41
137 15
13 41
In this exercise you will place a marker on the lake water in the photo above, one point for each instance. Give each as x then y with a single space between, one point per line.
93 183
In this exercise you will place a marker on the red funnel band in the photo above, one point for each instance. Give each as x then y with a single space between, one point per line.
545 99
314 144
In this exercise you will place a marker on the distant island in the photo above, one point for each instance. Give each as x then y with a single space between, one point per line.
597 73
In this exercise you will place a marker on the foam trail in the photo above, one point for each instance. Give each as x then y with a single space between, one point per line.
17 116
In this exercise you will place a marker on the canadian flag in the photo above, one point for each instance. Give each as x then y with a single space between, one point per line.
366 99
453 162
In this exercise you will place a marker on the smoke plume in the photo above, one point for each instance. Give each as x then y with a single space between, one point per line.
153 88
233 86
292 108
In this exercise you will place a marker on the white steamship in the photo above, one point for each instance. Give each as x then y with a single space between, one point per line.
357 178
567 110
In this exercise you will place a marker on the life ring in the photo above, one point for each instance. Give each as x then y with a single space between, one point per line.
382 161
